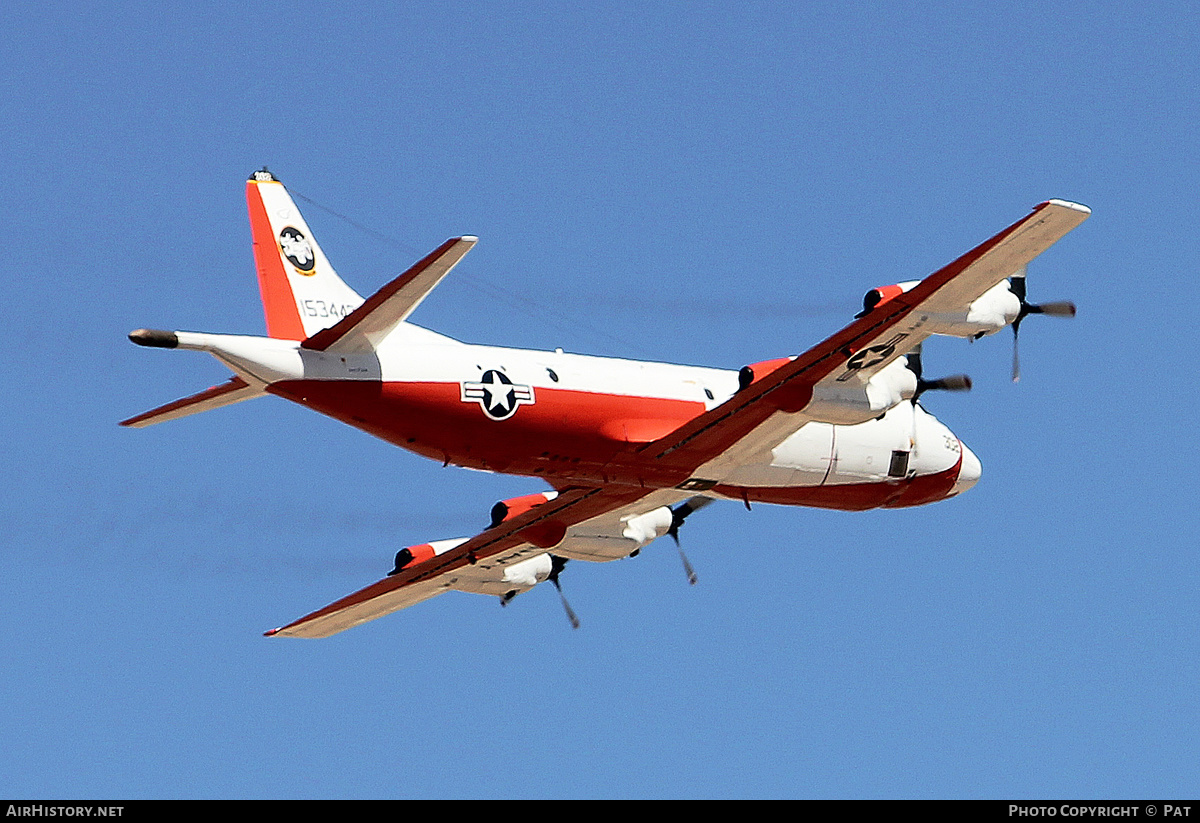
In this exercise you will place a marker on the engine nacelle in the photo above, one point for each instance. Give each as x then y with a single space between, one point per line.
652 525
509 582
992 311
996 308
528 573
853 402
636 531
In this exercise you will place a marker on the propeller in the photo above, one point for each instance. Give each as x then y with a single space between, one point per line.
678 515
557 564
1062 308
955 382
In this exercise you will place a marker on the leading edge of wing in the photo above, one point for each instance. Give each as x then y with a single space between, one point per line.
533 532
789 388
380 313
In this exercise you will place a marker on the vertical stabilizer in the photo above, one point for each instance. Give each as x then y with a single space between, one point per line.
301 292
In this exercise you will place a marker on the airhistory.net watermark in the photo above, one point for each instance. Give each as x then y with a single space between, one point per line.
43 810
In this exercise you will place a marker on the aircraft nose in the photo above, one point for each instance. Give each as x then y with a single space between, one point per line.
969 470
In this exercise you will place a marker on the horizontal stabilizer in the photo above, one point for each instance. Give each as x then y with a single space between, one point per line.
226 394
366 326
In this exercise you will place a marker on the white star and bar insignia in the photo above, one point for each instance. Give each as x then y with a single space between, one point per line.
497 395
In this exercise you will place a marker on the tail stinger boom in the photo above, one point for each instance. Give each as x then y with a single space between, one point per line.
257 362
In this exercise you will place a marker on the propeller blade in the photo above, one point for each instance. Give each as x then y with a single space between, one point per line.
689 506
678 515
1016 284
567 607
955 382
1016 370
914 362
687 566
557 564
1063 308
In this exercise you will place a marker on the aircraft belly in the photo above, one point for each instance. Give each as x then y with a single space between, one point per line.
915 491
567 436
856 467
541 430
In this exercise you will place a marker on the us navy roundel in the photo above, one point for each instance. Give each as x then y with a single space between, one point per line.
497 395
297 250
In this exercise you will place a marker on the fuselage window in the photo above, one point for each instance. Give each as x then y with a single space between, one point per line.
899 465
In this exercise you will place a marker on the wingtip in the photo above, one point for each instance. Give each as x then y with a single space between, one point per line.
272 632
1066 204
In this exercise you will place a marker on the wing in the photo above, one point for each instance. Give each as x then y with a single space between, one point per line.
768 410
578 523
363 328
592 523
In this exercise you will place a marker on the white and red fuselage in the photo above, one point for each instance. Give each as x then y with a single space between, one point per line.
566 417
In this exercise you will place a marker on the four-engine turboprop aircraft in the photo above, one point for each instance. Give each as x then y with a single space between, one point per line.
629 449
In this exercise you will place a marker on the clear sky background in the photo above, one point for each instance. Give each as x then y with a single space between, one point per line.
705 183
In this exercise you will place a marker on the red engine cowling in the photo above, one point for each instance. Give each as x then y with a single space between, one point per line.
881 295
412 555
757 371
507 509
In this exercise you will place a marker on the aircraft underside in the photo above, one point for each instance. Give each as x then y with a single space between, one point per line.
568 438
628 449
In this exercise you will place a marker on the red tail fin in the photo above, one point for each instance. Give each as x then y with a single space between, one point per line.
301 293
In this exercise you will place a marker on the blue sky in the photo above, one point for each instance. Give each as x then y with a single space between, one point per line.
696 183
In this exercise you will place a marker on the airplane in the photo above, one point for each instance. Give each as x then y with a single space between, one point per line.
628 449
